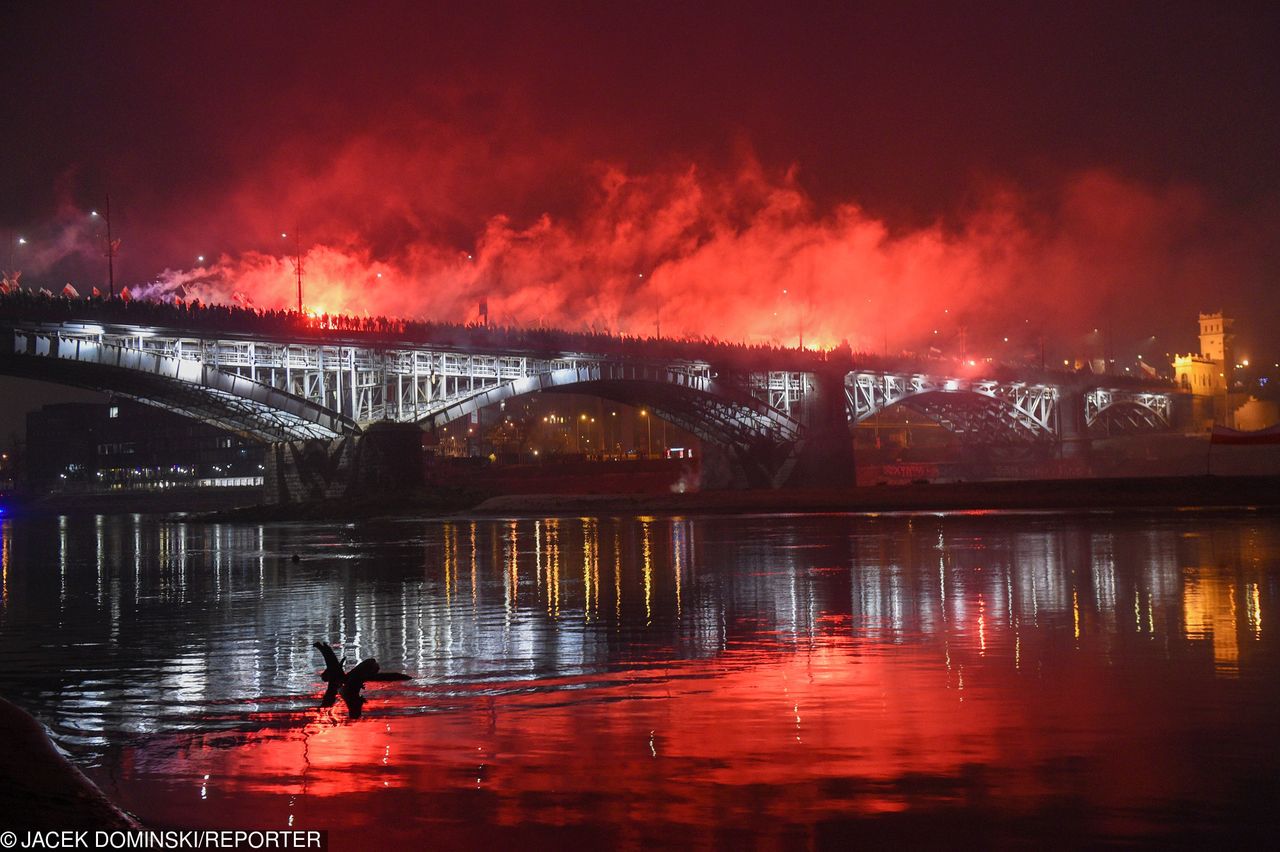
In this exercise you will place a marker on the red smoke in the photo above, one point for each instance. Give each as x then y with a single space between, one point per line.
426 226
750 257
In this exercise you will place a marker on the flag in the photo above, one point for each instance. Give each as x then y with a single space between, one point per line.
1223 435
484 310
1147 369
69 292
97 294
125 295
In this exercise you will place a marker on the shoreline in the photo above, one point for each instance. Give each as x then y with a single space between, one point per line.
41 789
1168 492
1200 492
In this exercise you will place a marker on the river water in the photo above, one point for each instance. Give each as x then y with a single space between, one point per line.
963 679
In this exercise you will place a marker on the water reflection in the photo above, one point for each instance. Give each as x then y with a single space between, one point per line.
837 662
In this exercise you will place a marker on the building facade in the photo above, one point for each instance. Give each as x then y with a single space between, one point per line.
1209 373
127 445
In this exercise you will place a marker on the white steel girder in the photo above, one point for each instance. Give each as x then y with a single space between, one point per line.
981 410
331 387
342 385
229 400
1108 410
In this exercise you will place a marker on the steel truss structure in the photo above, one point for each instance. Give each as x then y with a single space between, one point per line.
1108 411
277 389
978 411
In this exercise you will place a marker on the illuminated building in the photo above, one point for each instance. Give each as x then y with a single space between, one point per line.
1209 373
124 445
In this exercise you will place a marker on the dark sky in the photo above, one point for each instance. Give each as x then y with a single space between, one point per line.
196 116
898 105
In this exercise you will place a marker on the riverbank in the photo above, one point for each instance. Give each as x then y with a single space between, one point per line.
141 502
1066 494
438 501
41 789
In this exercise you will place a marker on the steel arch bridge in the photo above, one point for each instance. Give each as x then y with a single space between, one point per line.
985 410
1126 412
277 389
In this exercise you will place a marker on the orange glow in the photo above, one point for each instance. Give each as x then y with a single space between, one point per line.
745 256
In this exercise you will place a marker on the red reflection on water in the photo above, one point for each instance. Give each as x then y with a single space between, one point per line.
771 741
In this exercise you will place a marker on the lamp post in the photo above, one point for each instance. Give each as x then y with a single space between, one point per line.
14 241
111 249
649 429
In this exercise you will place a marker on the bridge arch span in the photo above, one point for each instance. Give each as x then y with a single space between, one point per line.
978 412
236 403
978 418
1114 411
1126 417
712 410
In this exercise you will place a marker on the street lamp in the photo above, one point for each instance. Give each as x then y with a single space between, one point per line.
649 428
14 241
111 249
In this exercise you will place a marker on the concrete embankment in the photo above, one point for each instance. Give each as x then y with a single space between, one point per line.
41 789
1070 495
141 502
1065 494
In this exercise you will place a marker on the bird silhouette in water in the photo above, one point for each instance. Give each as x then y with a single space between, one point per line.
349 684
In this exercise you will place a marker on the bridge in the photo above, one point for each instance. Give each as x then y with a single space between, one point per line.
769 427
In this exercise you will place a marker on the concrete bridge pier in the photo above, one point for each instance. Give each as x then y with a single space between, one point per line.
821 458
824 456
1073 435
385 459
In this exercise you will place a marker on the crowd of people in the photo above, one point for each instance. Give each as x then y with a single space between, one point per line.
193 315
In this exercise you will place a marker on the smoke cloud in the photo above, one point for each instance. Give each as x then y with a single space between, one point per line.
745 253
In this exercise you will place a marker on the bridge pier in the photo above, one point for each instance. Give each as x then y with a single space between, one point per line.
824 456
821 458
383 460
1073 434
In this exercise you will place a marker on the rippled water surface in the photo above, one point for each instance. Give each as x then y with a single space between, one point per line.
825 681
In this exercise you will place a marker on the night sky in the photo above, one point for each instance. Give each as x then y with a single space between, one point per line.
1029 171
